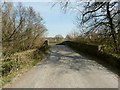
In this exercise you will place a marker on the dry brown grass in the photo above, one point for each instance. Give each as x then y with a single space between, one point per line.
21 62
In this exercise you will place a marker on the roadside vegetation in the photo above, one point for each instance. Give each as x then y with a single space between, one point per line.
18 63
98 24
99 29
55 40
107 60
23 35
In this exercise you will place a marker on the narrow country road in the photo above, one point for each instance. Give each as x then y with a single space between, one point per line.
64 68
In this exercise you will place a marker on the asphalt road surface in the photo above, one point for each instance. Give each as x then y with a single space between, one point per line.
64 68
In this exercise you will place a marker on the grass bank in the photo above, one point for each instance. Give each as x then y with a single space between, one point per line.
92 50
19 63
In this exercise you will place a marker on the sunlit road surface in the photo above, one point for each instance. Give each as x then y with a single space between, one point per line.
63 68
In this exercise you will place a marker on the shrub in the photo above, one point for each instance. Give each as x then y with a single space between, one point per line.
92 50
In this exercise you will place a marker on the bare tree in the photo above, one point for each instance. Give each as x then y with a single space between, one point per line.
23 28
59 38
98 18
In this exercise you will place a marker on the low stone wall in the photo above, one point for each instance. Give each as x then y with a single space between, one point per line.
92 50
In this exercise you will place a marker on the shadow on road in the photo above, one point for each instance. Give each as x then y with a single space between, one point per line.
64 68
62 55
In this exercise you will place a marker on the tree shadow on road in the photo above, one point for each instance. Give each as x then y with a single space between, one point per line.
61 55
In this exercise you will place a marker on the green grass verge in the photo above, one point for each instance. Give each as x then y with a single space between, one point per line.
19 62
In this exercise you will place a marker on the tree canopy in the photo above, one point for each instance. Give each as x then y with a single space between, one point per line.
22 27
98 21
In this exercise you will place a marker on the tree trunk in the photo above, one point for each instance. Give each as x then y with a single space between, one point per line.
119 27
112 27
